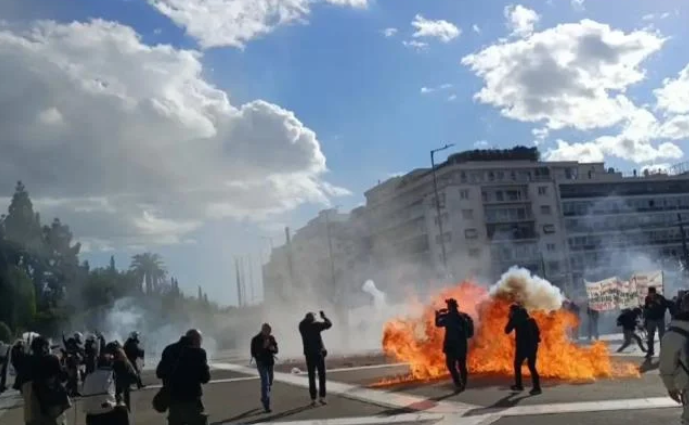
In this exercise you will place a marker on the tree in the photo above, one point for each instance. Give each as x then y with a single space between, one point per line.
5 334
17 299
150 269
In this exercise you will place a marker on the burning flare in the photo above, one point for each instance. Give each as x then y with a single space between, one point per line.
419 343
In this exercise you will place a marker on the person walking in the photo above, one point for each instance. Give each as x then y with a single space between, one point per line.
315 353
106 390
134 352
628 320
655 306
263 351
459 327
528 337
674 358
183 368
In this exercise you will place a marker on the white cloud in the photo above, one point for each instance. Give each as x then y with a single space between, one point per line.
673 97
578 4
654 16
452 98
128 143
540 135
582 152
572 75
389 32
675 128
440 29
216 23
414 44
442 87
481 144
575 76
656 168
521 20
476 29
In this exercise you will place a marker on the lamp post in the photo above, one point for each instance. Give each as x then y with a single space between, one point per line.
437 204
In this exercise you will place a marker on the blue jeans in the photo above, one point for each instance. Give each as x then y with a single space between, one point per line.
265 372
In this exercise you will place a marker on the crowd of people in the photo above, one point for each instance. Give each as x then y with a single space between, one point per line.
102 374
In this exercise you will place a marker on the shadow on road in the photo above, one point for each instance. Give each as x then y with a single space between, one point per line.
270 418
648 365
506 402
246 414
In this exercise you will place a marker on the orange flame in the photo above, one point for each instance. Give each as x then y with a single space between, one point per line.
419 343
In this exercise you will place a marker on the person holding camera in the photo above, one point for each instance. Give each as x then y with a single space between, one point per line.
528 337
263 351
459 327
315 353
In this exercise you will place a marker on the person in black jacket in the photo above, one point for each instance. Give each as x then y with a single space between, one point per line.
263 351
183 369
628 320
655 306
134 353
91 350
527 336
593 316
315 353
458 329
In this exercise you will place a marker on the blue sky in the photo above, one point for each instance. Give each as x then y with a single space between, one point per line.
361 93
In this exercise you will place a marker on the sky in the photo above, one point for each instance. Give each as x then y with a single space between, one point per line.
199 129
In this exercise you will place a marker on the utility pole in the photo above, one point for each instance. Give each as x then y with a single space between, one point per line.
239 282
437 205
251 280
330 249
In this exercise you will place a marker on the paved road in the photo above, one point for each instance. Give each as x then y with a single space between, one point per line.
233 398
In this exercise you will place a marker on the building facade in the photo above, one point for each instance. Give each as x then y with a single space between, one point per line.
565 221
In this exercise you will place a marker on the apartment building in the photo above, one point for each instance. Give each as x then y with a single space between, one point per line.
611 220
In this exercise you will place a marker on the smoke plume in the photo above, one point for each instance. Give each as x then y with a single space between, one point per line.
533 292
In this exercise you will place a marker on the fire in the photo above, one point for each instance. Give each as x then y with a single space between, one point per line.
419 343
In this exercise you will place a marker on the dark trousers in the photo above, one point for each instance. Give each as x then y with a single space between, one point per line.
530 357
119 416
187 413
265 372
135 365
316 363
651 327
593 329
457 366
629 337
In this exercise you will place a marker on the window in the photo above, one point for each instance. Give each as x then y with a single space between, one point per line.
545 209
542 190
549 228
550 247
474 252
553 267
464 194
468 214
463 177
447 237
470 234
499 196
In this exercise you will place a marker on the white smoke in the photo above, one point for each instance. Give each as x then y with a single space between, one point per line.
379 299
531 291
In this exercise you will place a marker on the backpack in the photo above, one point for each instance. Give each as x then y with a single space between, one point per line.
468 326
99 392
685 334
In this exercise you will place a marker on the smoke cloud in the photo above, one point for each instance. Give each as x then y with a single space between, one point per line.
531 291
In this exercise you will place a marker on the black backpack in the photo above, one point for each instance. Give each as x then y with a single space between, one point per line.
468 325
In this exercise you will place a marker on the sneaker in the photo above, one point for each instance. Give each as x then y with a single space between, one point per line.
313 403
267 410
517 388
323 402
536 391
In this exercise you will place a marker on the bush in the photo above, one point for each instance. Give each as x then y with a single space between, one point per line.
5 333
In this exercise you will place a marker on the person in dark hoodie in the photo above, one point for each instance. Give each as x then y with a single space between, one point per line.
628 320
45 399
315 353
183 368
655 307
134 352
459 327
263 351
528 337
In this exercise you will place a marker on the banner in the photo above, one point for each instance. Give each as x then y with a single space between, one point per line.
603 295
628 297
642 281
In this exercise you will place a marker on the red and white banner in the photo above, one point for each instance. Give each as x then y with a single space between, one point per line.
613 293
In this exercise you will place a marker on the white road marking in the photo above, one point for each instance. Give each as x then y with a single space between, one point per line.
367 395
591 406
370 420
369 367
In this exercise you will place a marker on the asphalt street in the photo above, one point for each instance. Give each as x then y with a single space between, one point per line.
233 397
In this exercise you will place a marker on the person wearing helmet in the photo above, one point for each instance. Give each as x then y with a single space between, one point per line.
45 399
91 351
134 352
73 357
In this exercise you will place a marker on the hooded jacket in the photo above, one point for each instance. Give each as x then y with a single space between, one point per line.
183 369
673 350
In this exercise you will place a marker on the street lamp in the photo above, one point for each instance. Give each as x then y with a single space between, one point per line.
437 204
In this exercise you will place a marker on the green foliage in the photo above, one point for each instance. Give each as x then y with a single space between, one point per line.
5 333
43 284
